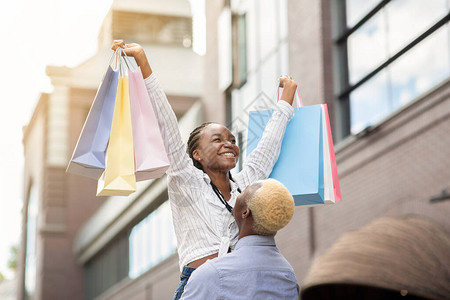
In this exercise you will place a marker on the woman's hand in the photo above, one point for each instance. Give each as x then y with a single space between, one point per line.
136 51
289 87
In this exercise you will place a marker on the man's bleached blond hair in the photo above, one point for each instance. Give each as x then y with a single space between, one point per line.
272 207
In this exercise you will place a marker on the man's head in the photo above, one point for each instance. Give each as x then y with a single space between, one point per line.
263 208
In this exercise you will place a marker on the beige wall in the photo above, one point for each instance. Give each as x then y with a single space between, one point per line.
34 140
65 202
158 283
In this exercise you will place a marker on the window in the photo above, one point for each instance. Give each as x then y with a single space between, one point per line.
30 254
151 240
224 49
132 252
108 267
390 52
239 45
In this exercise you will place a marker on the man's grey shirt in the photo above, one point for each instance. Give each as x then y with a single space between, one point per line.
254 270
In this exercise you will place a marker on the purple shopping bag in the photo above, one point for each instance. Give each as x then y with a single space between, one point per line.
88 158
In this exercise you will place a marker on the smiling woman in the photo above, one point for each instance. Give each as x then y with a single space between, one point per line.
216 150
200 187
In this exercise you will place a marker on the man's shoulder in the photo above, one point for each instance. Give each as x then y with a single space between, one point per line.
203 283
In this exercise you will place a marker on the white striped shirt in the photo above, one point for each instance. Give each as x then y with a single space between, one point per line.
203 226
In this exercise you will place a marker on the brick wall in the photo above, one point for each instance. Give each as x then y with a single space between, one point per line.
393 171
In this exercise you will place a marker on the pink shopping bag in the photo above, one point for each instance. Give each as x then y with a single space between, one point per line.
334 173
149 153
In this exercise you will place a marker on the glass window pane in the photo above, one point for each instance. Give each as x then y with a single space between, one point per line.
367 48
252 46
269 78
370 102
225 50
153 234
145 238
357 9
407 19
133 260
30 256
421 68
268 10
151 241
283 16
239 49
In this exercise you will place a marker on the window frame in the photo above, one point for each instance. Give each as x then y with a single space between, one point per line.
342 84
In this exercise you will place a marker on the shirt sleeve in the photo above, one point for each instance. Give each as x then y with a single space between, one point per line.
180 163
260 162
204 283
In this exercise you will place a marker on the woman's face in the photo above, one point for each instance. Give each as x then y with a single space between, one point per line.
217 149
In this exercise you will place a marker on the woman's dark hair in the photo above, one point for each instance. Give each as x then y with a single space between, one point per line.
192 143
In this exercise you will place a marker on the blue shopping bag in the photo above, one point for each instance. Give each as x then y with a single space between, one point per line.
88 158
300 164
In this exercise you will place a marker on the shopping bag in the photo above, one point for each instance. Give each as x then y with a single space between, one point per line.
336 190
118 179
88 158
149 153
329 196
300 166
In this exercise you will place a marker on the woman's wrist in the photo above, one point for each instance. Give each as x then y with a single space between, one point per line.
289 92
142 62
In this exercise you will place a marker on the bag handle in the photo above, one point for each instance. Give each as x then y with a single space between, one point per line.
120 57
114 58
299 99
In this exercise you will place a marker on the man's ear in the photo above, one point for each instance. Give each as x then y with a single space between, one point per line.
246 213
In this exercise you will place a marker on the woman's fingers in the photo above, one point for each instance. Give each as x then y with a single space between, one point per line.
117 44
136 51
131 49
285 79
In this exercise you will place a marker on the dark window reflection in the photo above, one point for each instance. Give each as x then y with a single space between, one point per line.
382 36
414 73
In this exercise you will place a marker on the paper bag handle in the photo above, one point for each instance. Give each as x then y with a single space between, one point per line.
121 57
299 99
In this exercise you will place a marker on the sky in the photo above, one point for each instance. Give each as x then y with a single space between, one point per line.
34 34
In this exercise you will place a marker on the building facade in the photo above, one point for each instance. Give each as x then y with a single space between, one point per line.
382 67
57 204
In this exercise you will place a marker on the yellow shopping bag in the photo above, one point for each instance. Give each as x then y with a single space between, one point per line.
119 179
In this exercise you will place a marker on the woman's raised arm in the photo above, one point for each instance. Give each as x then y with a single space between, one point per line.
260 162
175 148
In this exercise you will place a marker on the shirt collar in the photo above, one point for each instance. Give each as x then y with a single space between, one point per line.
256 240
206 178
233 185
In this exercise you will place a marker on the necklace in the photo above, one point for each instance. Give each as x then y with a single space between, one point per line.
221 197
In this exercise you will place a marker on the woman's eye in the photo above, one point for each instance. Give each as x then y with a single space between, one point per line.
233 141
216 140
